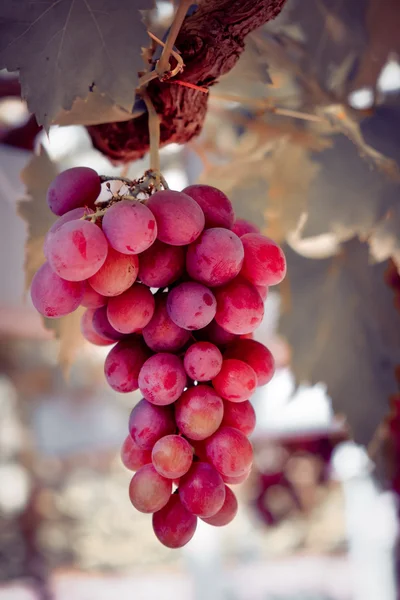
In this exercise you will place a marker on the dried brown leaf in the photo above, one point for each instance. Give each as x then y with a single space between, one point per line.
67 330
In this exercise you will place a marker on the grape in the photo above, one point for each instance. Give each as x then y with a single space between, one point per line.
215 334
240 308
91 298
132 456
117 274
216 257
148 491
240 415
162 378
52 296
264 262
202 361
77 250
72 215
256 355
161 264
129 226
199 412
217 208
180 219
172 456
173 525
241 227
79 186
226 513
161 334
236 480
103 327
89 332
229 451
123 364
191 305
202 490
236 380
148 423
132 310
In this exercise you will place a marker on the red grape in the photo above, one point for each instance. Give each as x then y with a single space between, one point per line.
202 361
161 264
133 457
148 491
236 380
123 364
71 215
103 327
229 451
236 480
241 227
264 262
240 308
117 274
215 334
91 298
161 334
88 331
240 415
202 490
172 456
173 525
226 513
191 305
130 227
77 250
52 296
148 423
216 257
132 310
217 208
180 219
256 355
79 186
199 412
162 378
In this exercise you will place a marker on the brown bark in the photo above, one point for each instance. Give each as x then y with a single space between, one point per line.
210 41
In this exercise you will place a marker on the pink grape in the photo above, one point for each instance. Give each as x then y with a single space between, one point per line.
72 215
123 363
236 480
202 490
240 308
215 257
236 380
217 208
103 327
180 219
264 261
162 378
130 227
133 457
117 274
148 491
256 355
240 415
91 298
52 296
229 451
172 456
226 513
173 525
241 227
148 423
75 187
199 412
215 334
161 334
77 250
161 264
191 305
132 310
88 331
202 361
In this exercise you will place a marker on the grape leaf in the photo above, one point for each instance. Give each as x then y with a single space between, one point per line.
63 48
348 335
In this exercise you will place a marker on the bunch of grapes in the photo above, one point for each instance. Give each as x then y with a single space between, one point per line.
177 286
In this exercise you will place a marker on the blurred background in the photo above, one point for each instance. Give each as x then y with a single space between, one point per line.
303 137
